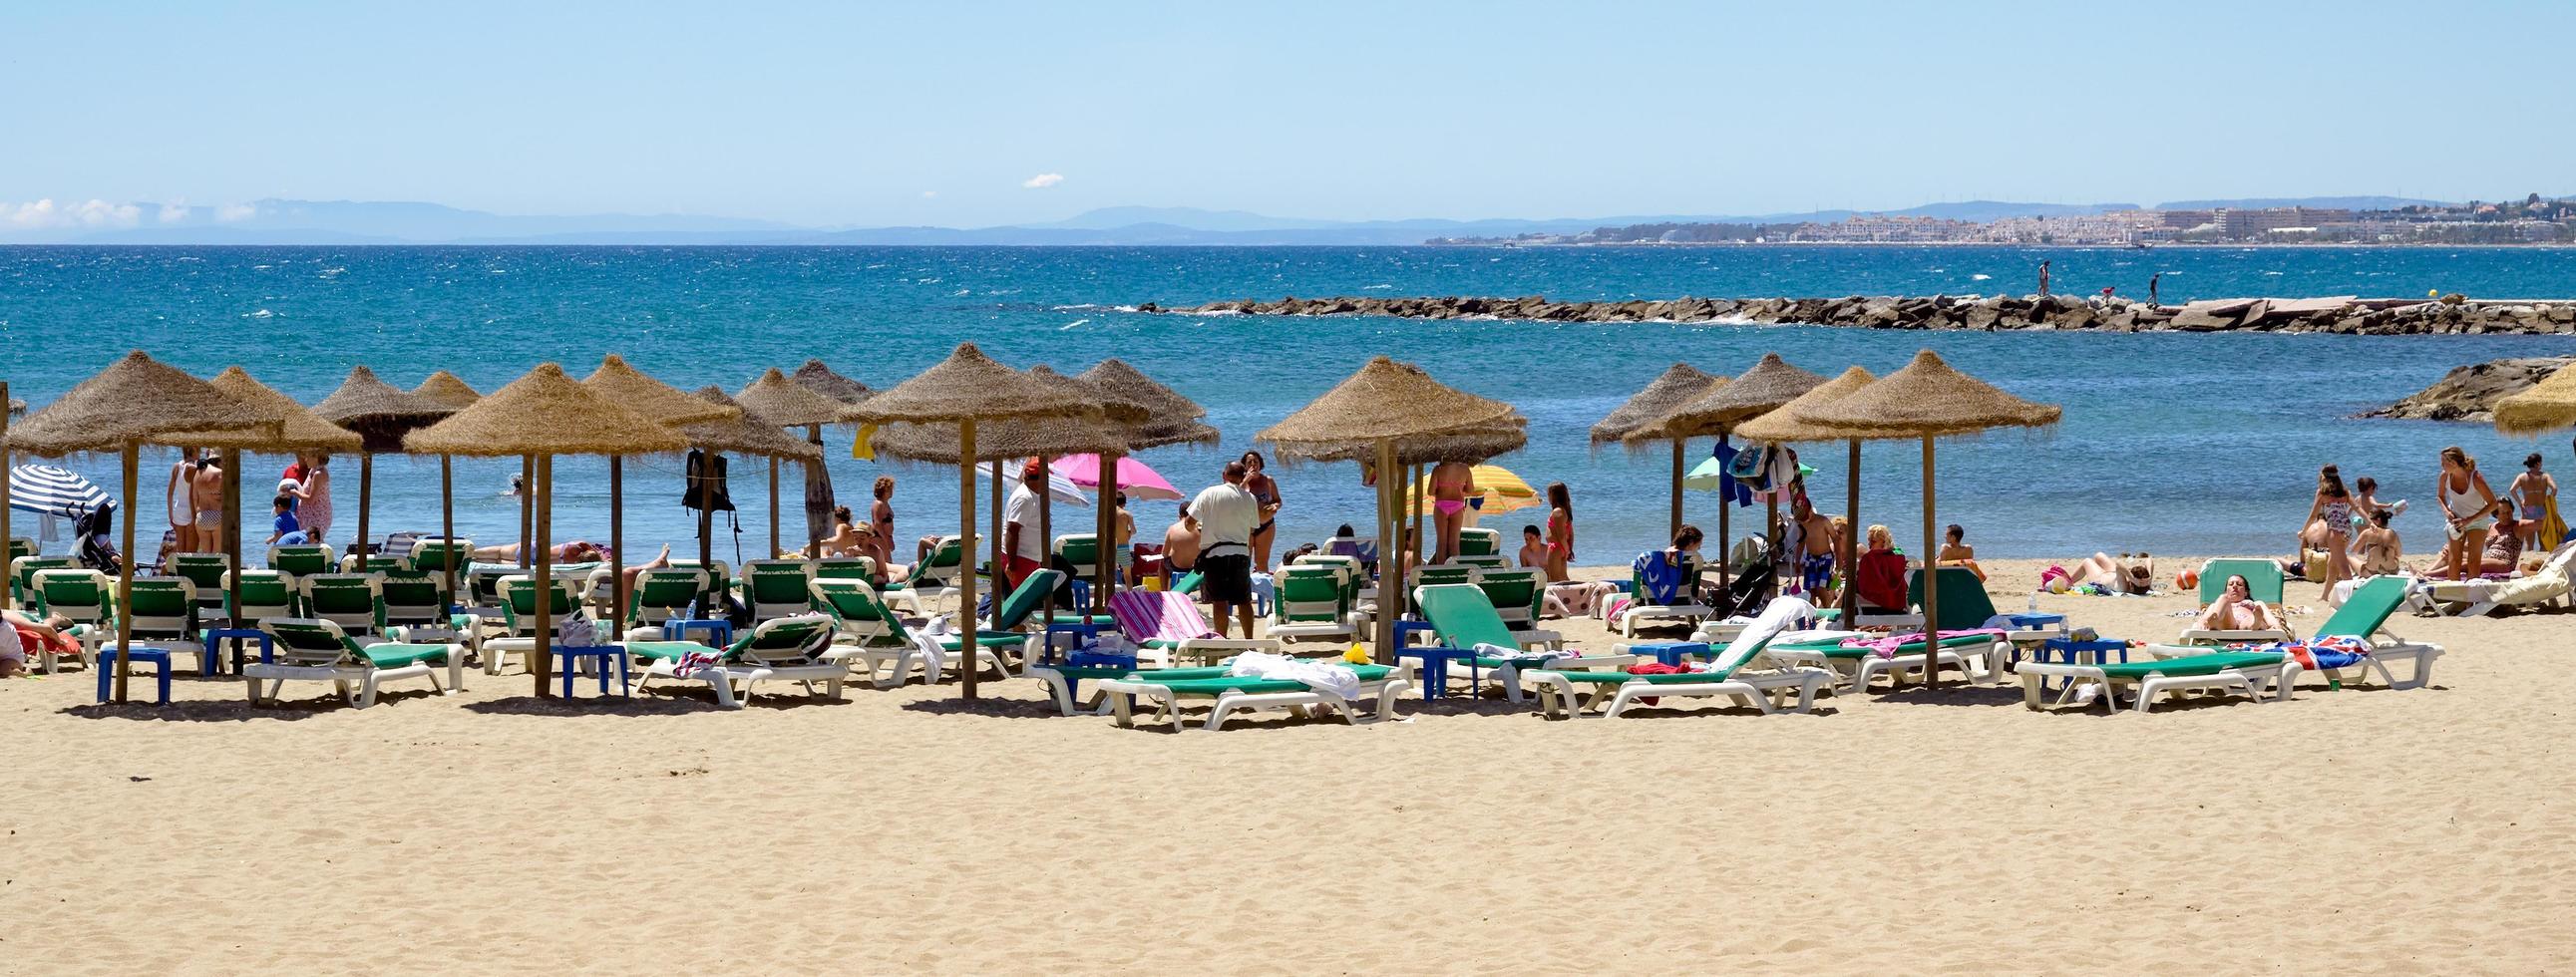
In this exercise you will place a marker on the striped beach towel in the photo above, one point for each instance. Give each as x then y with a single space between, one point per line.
1146 615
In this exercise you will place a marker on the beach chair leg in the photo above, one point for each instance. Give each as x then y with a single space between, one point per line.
1627 694
1120 710
1386 695
723 686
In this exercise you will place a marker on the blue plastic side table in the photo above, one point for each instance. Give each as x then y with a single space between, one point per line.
159 657
218 636
719 632
603 654
2075 651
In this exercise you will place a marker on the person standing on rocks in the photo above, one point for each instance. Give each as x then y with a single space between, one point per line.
2152 302
2043 279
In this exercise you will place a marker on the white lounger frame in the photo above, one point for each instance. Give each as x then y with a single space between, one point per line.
1122 694
2251 682
1769 691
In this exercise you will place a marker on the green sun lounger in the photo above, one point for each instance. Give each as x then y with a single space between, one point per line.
2363 617
2250 674
1233 694
320 650
788 649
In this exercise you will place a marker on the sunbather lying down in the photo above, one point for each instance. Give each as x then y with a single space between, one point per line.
20 634
2122 576
577 551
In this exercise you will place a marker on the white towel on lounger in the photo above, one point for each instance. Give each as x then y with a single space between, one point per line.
1320 676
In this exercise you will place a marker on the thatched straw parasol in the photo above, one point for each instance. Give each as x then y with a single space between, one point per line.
752 434
820 379
970 390
299 429
2545 407
1387 410
134 402
1926 400
1170 419
381 413
545 414
1680 384
1770 383
787 403
1788 424
446 389
665 404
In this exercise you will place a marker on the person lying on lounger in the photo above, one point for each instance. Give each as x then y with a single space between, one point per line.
2237 610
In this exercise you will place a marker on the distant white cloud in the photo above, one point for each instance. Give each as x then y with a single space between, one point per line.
48 214
235 213
1042 181
174 212
927 194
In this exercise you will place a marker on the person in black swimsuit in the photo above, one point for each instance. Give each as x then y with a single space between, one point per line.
1265 490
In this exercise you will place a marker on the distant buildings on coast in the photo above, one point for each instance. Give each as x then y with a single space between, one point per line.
2531 220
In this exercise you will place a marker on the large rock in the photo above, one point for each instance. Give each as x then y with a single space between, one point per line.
2469 393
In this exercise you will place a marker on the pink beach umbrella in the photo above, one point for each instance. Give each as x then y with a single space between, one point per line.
1135 478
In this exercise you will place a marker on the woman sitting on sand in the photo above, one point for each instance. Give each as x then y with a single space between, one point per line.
2237 610
2498 559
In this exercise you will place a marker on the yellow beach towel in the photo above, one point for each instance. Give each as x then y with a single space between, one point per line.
2553 530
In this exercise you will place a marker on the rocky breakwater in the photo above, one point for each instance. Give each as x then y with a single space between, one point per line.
2469 393
2370 317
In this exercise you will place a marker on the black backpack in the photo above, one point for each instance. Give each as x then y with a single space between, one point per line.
707 483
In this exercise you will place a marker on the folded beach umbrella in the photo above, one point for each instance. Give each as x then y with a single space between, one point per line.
136 401
1679 384
1924 401
2547 406
963 394
667 405
381 413
1170 419
820 379
1788 424
1387 412
446 390
1770 383
539 416
788 403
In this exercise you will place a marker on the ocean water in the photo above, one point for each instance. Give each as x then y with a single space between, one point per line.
2171 443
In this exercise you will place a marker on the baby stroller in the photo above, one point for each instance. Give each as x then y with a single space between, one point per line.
97 550
1751 587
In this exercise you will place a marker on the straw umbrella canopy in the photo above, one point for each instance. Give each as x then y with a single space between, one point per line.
968 390
541 415
787 403
1770 383
381 413
820 379
1388 409
1788 424
752 434
1680 384
300 430
666 405
134 402
1171 419
446 389
2545 407
1924 401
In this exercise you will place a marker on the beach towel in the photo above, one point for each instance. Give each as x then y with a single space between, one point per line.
1660 578
1886 647
1782 614
696 663
1730 488
2553 530
925 643
2317 655
1519 658
1147 615
1331 679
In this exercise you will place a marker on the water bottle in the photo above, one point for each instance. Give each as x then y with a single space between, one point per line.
2034 602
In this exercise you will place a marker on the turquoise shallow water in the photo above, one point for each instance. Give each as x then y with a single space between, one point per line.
2198 443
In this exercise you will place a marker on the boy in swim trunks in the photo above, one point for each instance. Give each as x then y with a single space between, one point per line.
1816 539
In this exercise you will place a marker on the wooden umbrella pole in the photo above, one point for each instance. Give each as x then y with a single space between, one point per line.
1725 516
773 506
527 506
124 578
1105 582
704 484
1931 583
966 547
616 545
1676 522
540 492
366 489
994 559
814 532
1046 531
1851 540
232 551
447 521
1390 568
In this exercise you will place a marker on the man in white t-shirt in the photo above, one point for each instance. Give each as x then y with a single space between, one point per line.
1022 551
1226 515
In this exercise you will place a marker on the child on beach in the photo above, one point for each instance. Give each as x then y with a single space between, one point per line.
288 532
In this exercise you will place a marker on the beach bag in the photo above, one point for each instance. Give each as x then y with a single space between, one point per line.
706 483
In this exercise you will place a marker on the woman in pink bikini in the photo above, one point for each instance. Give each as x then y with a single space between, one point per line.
1451 483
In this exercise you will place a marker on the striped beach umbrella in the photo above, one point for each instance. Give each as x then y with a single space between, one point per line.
46 490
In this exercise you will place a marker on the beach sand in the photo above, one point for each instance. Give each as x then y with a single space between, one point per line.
2414 831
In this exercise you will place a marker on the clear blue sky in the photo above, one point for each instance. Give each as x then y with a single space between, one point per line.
941 113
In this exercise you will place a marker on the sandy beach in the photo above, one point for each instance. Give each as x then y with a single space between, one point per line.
2369 830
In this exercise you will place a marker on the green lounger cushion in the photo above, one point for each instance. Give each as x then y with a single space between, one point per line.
397 655
985 639
1213 681
657 651
1069 617
1623 678
2194 665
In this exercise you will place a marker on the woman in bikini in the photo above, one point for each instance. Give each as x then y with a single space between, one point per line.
1451 483
2377 546
2532 490
2465 498
1560 533
1265 493
2333 507
2237 610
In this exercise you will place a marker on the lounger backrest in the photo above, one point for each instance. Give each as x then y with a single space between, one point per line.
942 567
519 603
1311 593
1441 576
1479 541
436 554
351 600
309 641
785 641
163 607
411 597
2369 607
22 577
776 588
1030 595
1781 614
856 610
1519 589
483 584
844 568
206 570
661 594
1157 615
1079 549
264 594
18 546
301 560
1964 604
375 563
85 596
2262 579
1461 616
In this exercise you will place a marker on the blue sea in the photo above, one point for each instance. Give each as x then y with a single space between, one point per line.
2171 443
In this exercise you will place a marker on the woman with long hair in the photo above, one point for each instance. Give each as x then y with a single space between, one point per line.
2465 498
1560 533
2532 490
1265 494
2333 508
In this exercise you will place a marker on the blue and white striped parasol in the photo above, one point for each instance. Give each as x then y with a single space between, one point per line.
49 491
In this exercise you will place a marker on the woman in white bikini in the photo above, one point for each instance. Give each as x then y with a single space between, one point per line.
2465 498
2333 507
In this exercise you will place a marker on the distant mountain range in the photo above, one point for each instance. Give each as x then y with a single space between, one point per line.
347 222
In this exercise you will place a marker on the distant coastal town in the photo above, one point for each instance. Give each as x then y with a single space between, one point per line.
2533 220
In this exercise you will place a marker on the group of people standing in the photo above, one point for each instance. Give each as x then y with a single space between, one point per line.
301 508
2486 533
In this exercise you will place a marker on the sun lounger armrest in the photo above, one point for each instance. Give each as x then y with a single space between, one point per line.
2197 636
